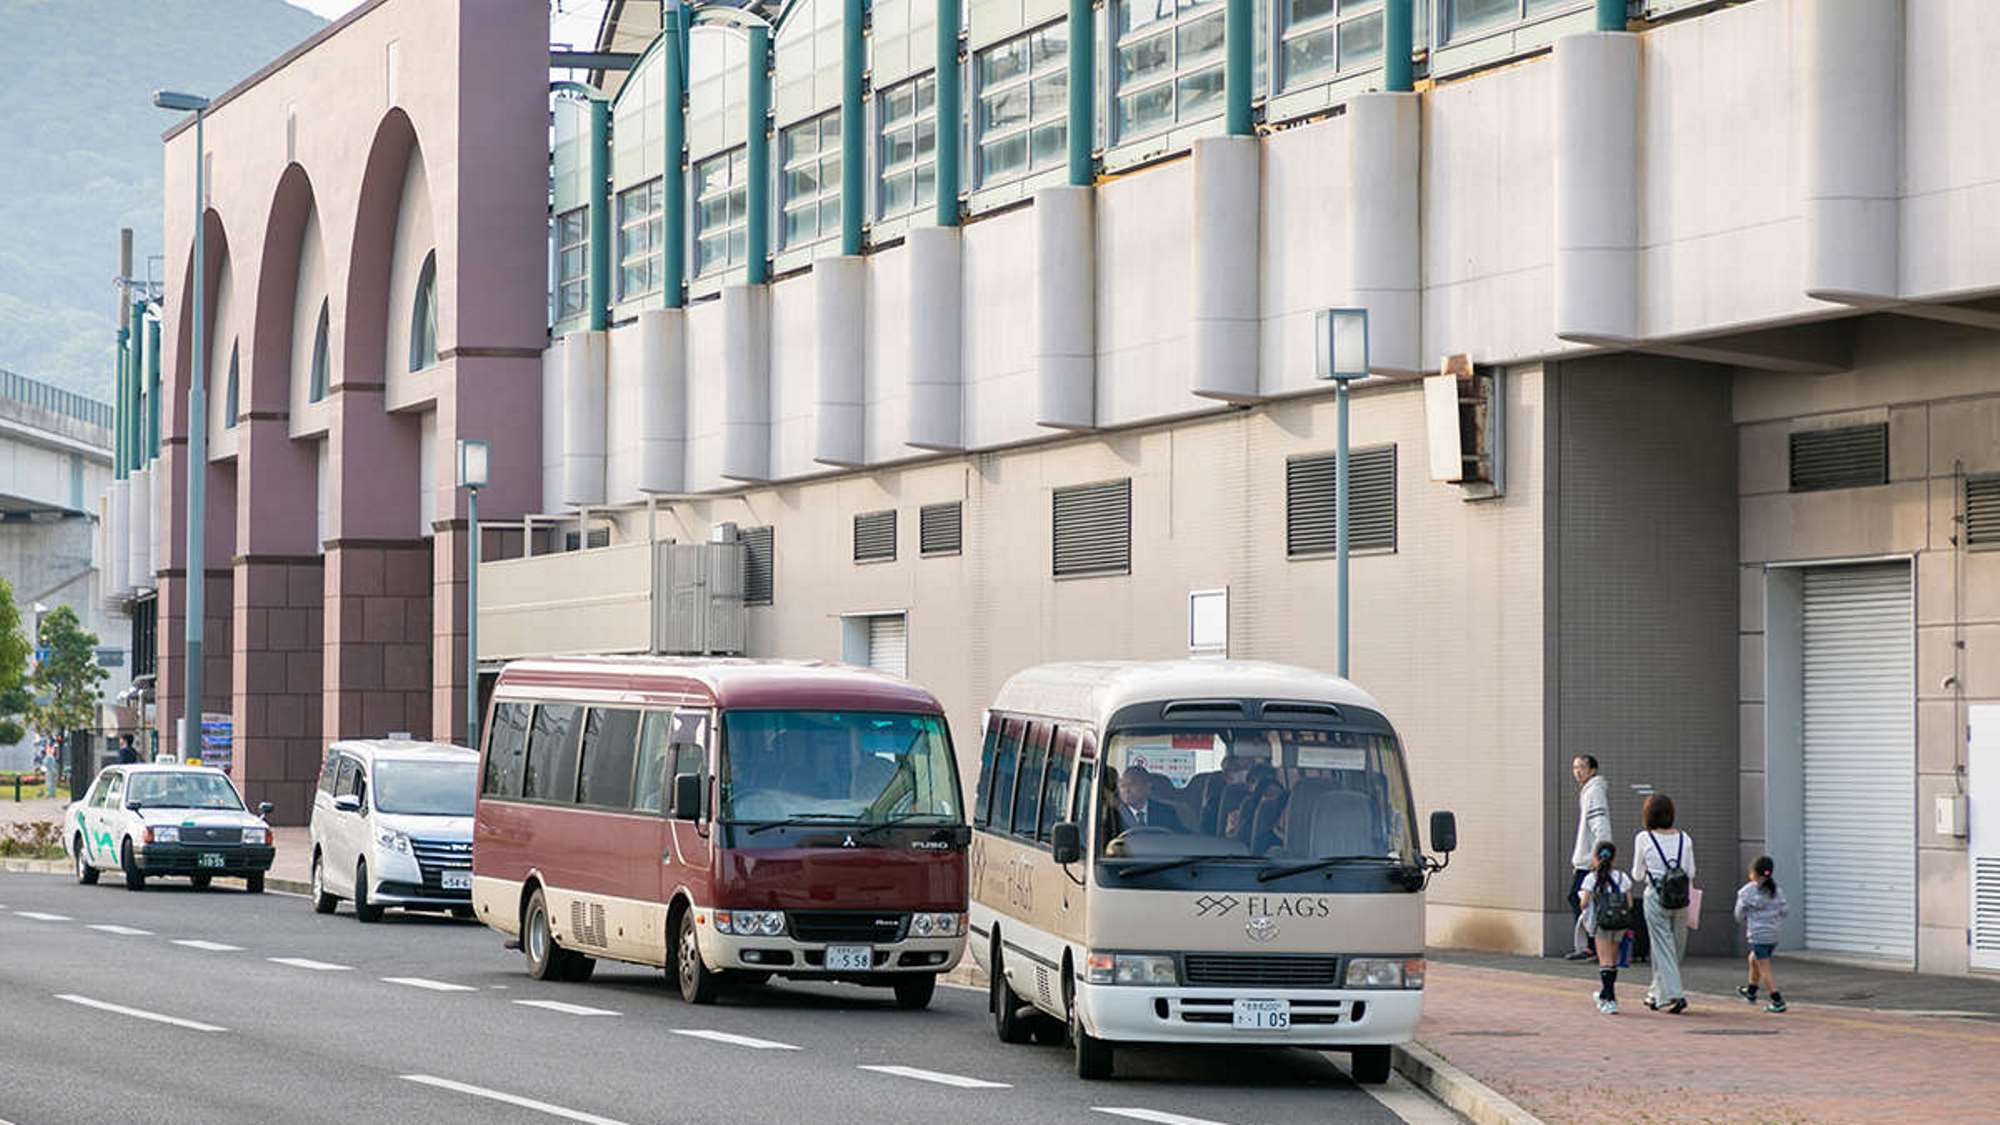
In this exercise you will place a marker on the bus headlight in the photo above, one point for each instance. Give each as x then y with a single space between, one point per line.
1385 972
751 923
937 925
1132 968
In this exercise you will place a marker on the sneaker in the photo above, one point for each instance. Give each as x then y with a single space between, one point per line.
1775 1006
1598 1000
1652 1005
1578 955
1679 1005
1611 1007
1748 992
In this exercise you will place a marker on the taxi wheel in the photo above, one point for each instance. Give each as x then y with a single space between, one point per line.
85 873
200 882
699 984
323 903
363 909
254 882
914 991
135 879
1008 1022
1371 1065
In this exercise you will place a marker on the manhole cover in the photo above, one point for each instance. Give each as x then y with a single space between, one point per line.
1734 1031
1499 1034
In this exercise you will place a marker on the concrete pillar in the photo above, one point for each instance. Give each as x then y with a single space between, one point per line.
1066 299
1851 100
1597 187
1384 244
377 666
278 625
840 325
1226 210
450 551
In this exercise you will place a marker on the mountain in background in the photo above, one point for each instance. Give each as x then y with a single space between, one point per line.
82 156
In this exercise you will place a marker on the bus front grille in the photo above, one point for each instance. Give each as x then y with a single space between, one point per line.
868 927
1267 970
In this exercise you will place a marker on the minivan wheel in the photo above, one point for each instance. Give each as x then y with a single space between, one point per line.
85 873
1008 1022
363 909
1371 1065
323 903
699 983
135 879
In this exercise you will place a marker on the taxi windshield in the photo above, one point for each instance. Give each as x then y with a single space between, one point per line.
181 791
863 767
1254 793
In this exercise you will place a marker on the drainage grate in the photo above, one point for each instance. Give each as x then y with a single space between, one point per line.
1735 1031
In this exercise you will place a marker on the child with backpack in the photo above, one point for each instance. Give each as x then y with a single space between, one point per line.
1606 899
1663 859
1759 906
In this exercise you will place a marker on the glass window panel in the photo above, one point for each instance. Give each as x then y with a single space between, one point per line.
1200 39
801 141
1467 17
829 214
1146 109
1361 41
926 137
1200 92
1005 109
1008 60
898 193
1049 94
1308 56
1148 58
1006 155
926 183
899 103
738 245
926 93
1049 144
799 226
899 147
1305 11
1050 45
1136 14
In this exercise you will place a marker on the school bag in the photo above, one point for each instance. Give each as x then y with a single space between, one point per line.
1611 909
1673 886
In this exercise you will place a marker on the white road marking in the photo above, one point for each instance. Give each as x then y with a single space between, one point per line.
566 1009
941 1079
137 1013
211 946
510 1099
127 931
735 1040
1162 1117
41 917
433 985
309 963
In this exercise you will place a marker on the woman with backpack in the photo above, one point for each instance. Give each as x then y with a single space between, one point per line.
1663 859
1606 899
1759 906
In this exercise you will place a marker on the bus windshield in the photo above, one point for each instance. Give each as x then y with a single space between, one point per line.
861 767
1255 793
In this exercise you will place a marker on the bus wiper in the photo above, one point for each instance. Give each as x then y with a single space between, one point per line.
802 818
891 822
1270 873
1163 865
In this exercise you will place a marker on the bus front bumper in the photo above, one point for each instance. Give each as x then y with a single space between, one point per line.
1318 1017
788 957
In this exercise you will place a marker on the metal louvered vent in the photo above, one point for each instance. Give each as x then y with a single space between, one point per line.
940 528
756 565
1310 516
1848 457
1982 511
875 536
1093 529
1986 905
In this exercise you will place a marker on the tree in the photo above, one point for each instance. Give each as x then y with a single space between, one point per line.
14 649
66 677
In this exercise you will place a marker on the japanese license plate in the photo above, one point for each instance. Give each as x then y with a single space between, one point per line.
456 880
1264 1015
208 859
849 958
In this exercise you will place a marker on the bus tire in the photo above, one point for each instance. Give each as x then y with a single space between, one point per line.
914 991
85 873
538 942
699 984
1371 1065
1093 1055
1008 1023
576 968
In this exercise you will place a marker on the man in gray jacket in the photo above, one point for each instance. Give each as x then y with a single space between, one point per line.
1593 826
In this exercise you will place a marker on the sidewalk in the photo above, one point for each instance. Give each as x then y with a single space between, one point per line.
1853 1047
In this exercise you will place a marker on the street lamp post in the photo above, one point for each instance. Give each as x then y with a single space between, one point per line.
471 477
197 544
1341 349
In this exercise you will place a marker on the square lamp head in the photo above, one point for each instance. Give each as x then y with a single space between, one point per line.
471 463
1340 343
179 102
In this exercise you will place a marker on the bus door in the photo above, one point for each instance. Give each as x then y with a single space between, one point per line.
687 851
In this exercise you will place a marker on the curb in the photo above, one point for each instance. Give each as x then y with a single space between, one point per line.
287 886
18 866
1459 1091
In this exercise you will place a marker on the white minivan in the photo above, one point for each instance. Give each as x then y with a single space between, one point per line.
392 826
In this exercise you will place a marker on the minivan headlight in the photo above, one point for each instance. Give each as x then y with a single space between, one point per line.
392 840
750 923
937 925
1385 972
1132 968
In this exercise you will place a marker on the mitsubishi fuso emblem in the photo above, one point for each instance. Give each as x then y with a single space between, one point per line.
849 842
1261 928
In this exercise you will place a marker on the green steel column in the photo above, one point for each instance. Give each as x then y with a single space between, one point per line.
1082 92
853 155
673 185
757 239
1238 33
1611 15
121 414
600 214
152 446
1398 44
135 386
948 112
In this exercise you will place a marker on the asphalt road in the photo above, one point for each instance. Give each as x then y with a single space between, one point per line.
212 1007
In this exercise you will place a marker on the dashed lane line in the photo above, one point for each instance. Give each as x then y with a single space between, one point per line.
942 1079
565 1008
735 1040
136 1013
432 985
1160 1116
41 917
309 963
510 1099
211 946
124 931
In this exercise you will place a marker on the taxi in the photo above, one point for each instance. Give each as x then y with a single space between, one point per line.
152 820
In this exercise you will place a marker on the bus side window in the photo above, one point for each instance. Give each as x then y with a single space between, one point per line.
648 772
1055 791
1028 793
609 738
506 749
1086 781
550 774
985 788
1002 795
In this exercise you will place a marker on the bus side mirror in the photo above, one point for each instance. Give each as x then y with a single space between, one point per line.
687 796
1444 832
1066 841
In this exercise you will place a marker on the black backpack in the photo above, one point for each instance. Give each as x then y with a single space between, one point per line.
1673 886
1610 908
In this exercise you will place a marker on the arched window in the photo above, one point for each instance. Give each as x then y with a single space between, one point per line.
316 389
424 317
230 400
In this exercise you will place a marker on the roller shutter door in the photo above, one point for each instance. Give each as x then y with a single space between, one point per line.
889 644
1860 762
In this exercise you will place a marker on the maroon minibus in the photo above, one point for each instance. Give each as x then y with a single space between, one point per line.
728 820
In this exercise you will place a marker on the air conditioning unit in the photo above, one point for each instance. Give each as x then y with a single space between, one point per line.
698 599
722 533
1464 419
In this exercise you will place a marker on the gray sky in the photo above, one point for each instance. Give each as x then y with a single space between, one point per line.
570 21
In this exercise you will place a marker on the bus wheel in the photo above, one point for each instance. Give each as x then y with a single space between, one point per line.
699 983
1008 1023
914 991
1371 1065
538 945
1093 1055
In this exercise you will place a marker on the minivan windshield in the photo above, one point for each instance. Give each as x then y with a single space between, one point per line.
836 767
188 790
1271 795
426 788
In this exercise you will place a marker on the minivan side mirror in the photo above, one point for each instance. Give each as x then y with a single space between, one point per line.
264 809
1066 841
347 802
687 796
1444 832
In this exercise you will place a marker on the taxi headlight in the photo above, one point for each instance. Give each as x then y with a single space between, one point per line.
1132 968
255 835
1385 972
163 834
